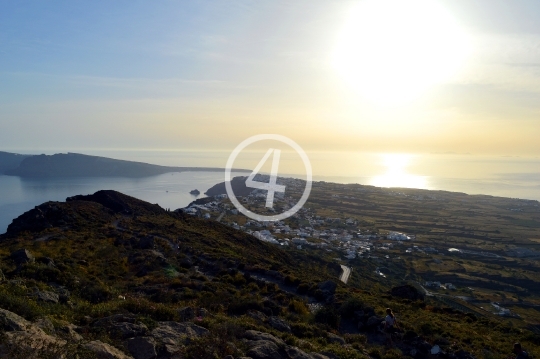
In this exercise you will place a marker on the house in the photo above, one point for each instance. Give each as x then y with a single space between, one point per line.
450 286
398 236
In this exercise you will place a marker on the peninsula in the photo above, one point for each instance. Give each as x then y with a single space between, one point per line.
80 165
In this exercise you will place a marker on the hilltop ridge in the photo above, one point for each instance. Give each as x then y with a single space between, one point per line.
110 273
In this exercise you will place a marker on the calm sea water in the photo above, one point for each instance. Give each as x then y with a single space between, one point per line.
169 190
516 177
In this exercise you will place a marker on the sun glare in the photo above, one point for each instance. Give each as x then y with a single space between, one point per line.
396 175
391 51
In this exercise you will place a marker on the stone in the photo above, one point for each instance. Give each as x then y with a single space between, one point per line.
296 353
47 297
117 318
25 336
174 333
279 324
126 330
10 321
45 324
33 342
123 326
22 256
186 313
332 338
142 347
257 315
256 336
264 349
71 331
319 356
105 351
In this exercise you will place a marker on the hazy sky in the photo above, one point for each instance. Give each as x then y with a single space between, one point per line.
199 75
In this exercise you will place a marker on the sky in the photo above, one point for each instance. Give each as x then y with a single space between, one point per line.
448 76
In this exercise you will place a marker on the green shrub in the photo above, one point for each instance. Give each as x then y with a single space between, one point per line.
328 316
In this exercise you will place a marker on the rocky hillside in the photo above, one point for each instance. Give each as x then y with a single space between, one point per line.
109 276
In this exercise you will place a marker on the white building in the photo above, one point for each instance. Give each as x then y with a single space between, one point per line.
398 236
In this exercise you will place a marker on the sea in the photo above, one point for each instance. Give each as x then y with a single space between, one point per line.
504 176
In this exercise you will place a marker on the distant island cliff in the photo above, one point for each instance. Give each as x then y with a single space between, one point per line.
79 165
10 161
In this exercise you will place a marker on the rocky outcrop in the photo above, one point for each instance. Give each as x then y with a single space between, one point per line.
22 256
266 346
105 351
122 326
24 336
142 347
47 297
279 324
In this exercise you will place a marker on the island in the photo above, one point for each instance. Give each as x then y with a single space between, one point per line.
80 165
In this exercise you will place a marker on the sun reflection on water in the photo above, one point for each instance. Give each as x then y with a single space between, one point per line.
396 174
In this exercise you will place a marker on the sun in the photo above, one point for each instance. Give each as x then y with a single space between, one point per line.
391 51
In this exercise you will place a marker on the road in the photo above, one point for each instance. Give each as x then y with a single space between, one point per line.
220 216
345 275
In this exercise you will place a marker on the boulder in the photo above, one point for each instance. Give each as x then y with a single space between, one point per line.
142 347
45 324
279 324
22 256
407 292
332 338
295 353
174 333
105 351
264 349
257 315
26 337
71 331
47 297
318 356
256 336
127 330
10 321
122 326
